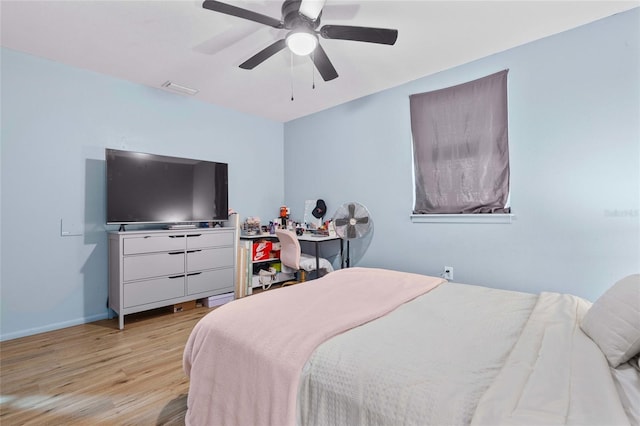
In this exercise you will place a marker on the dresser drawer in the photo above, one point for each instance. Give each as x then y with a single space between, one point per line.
209 258
151 291
149 244
153 265
212 239
209 281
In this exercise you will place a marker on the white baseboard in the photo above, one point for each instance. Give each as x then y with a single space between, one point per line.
51 327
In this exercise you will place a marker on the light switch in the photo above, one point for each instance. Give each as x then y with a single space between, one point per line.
70 228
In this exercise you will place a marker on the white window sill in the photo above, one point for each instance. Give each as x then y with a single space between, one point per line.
463 218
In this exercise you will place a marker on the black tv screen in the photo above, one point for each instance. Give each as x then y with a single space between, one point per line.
148 188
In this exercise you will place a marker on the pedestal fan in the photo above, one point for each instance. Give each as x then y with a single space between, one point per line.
352 221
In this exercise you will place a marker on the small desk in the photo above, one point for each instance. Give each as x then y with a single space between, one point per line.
317 239
314 238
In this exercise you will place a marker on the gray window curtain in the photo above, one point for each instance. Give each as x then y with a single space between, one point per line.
461 147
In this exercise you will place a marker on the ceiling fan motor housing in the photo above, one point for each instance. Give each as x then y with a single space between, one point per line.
292 17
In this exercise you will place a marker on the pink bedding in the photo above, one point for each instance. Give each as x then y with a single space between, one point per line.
245 358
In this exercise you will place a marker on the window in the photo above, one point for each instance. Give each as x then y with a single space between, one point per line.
461 148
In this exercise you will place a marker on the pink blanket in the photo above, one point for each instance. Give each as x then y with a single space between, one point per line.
244 359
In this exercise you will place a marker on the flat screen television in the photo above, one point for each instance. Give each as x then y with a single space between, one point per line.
147 188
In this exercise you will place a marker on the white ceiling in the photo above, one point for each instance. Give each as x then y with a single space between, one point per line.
150 42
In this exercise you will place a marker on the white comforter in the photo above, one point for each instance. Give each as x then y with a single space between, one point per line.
463 355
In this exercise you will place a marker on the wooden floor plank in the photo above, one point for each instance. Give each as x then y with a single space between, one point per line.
96 374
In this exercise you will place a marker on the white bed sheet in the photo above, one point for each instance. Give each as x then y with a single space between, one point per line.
555 374
627 380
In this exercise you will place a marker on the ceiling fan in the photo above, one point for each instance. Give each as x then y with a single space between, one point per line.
302 19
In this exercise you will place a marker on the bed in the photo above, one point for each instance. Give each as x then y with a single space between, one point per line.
365 346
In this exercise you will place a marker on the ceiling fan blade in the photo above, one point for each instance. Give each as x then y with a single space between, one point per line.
311 8
263 55
323 64
367 34
227 9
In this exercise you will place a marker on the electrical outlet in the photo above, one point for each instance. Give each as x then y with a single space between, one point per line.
447 274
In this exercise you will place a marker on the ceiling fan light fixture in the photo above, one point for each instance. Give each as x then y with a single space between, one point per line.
311 8
302 43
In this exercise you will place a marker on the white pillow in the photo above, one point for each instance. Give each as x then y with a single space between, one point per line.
613 321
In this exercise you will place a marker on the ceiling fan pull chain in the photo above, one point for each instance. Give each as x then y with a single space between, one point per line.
291 76
313 70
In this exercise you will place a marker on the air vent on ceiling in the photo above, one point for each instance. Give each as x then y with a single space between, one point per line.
179 88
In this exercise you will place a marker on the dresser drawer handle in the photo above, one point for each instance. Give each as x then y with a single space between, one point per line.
193 251
175 252
173 277
193 235
193 273
176 236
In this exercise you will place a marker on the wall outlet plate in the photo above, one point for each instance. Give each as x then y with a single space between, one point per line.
447 274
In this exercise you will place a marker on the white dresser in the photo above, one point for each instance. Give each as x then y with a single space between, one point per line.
151 269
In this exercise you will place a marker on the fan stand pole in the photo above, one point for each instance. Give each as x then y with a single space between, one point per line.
348 258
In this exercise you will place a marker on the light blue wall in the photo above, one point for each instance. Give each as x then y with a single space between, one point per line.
574 108
56 122
574 102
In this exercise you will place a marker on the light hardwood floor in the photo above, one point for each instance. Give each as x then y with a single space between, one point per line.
95 374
